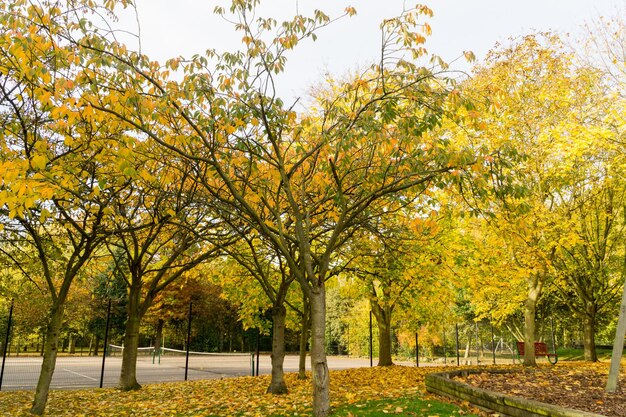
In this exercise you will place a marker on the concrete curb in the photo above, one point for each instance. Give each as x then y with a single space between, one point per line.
443 384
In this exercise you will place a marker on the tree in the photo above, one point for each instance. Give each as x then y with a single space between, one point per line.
604 48
395 258
106 285
590 267
54 153
304 183
215 325
534 95
21 287
162 236
274 278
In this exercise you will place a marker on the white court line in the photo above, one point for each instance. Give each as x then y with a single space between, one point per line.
84 376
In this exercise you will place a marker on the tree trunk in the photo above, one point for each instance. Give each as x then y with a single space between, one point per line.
277 384
49 358
159 336
128 375
589 333
304 337
535 285
72 343
96 348
383 319
319 365
618 346
384 344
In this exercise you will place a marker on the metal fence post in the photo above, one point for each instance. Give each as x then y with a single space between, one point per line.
6 344
458 359
553 339
477 344
417 350
106 342
493 345
445 359
371 345
258 342
188 341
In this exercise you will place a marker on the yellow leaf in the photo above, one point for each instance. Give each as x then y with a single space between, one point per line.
39 162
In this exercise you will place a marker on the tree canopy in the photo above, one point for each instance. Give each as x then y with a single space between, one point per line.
386 188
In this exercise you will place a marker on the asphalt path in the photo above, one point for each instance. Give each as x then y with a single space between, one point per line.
21 373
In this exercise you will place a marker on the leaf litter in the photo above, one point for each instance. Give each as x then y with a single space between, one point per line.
243 396
576 385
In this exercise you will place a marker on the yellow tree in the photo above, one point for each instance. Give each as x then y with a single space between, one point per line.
589 268
494 279
158 234
604 46
55 156
536 99
82 170
270 289
305 183
395 258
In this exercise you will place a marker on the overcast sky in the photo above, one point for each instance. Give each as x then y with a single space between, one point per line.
185 27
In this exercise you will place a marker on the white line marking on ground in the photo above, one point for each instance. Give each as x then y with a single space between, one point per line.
84 376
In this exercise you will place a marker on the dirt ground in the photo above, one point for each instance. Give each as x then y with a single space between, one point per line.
573 385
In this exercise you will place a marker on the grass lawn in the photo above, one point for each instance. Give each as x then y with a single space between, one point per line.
403 406
571 354
364 392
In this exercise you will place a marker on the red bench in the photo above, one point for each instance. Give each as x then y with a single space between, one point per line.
541 349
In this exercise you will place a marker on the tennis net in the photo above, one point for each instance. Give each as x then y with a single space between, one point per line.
142 352
227 363
237 363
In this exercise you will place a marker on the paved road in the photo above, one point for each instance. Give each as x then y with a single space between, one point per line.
84 372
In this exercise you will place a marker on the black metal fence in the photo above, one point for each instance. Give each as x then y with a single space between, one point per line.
95 361
189 348
464 343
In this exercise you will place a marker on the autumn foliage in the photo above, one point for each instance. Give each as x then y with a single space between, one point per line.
228 397
424 198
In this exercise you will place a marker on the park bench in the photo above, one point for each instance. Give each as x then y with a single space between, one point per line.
541 349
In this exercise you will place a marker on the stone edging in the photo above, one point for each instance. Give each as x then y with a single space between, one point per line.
443 384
